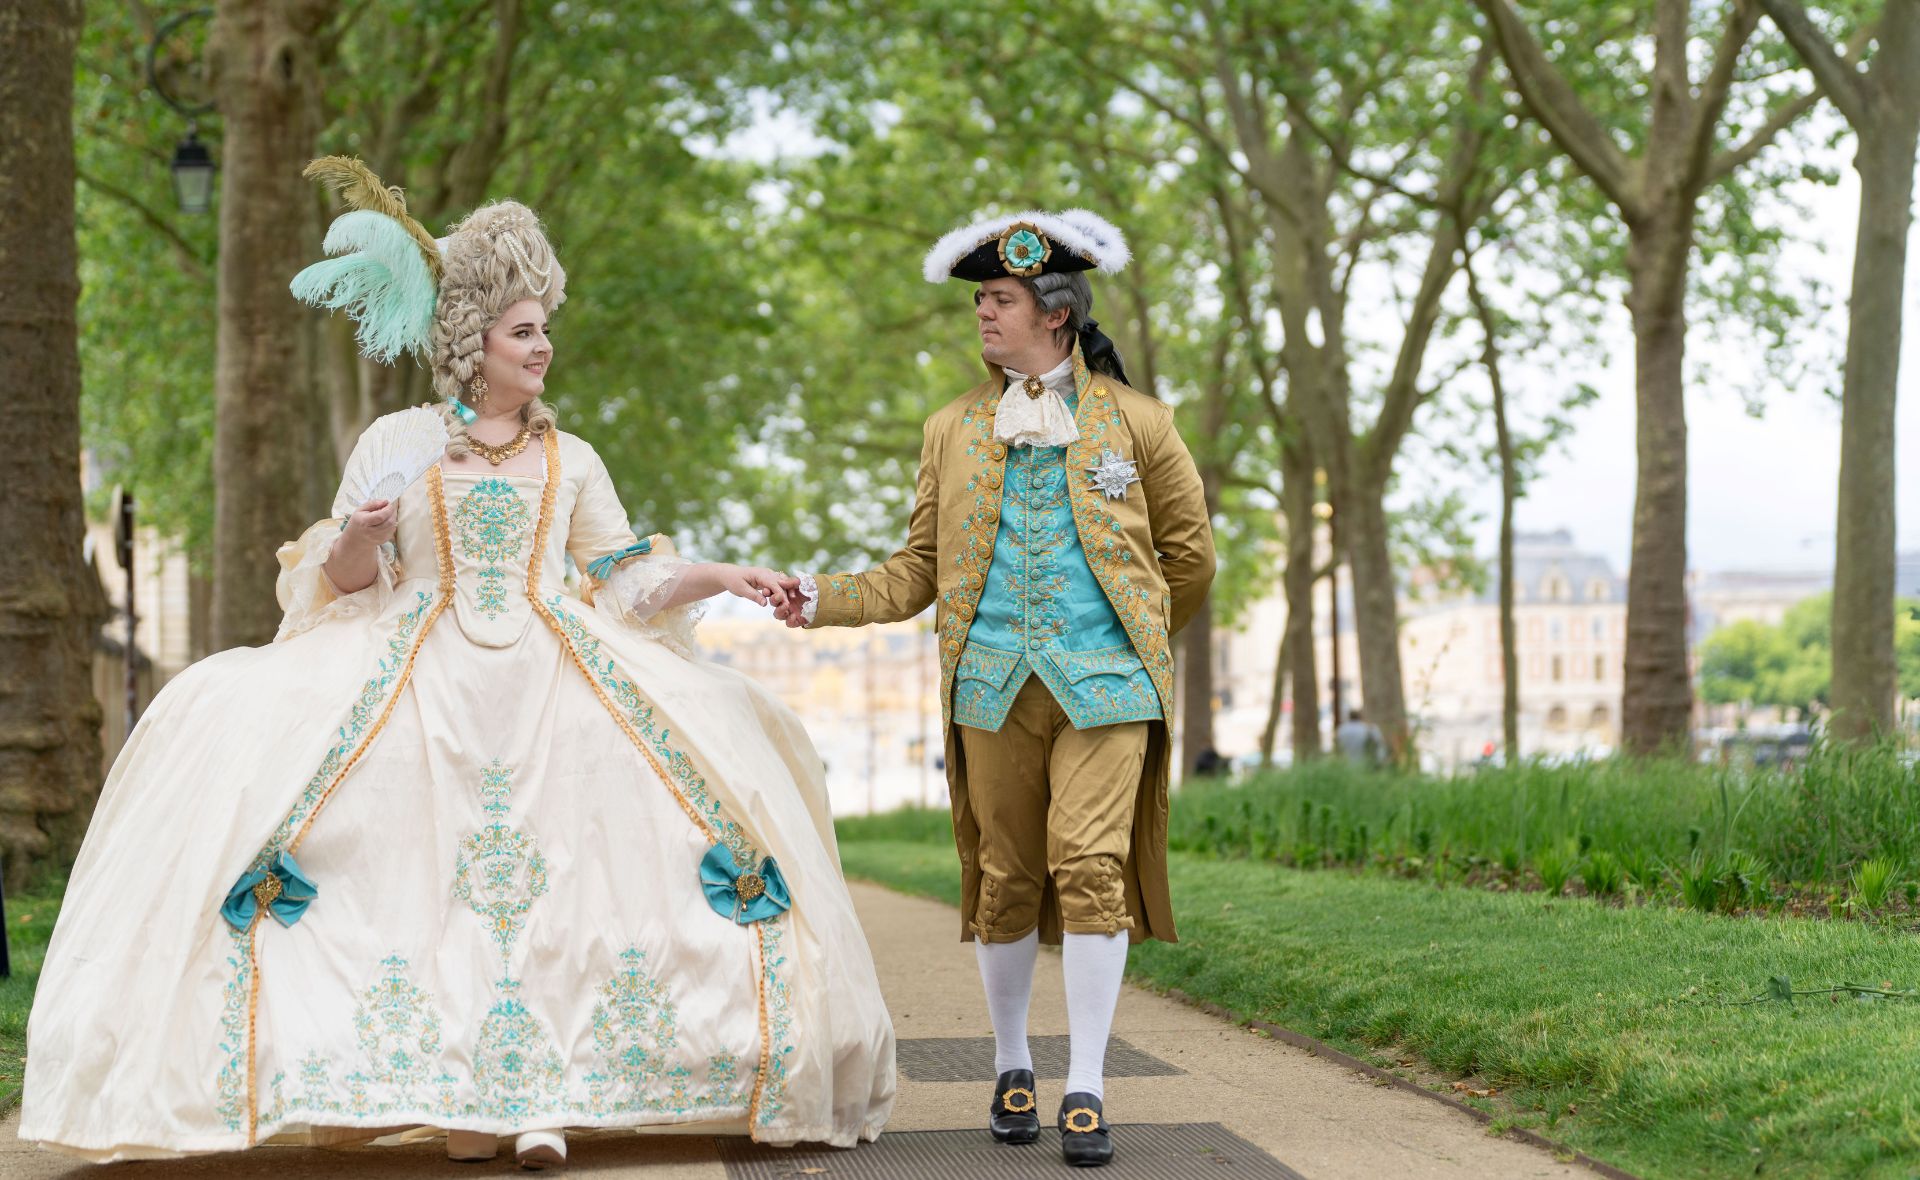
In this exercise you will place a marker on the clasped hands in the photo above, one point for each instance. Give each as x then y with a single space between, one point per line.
766 587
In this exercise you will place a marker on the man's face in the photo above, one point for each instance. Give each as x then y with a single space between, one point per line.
1013 332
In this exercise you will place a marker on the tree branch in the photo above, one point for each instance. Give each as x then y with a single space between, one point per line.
190 257
1255 138
1839 77
1717 88
1552 100
1403 394
1732 160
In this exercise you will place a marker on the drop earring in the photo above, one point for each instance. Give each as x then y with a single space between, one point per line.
477 394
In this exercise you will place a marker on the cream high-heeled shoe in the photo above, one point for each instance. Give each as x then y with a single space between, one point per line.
537 1150
472 1147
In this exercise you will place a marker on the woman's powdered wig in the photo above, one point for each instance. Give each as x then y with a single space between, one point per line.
495 258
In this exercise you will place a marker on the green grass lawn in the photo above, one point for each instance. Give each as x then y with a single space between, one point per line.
29 924
1601 1026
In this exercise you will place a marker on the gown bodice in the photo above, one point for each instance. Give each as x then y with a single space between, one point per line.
491 528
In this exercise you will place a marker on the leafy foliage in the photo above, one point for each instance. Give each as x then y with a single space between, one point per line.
1790 664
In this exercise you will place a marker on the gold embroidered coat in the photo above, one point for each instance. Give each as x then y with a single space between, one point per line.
1151 551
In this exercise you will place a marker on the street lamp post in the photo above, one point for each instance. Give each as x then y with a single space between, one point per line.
123 549
1323 509
193 167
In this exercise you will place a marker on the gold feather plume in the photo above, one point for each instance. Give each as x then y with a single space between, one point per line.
361 189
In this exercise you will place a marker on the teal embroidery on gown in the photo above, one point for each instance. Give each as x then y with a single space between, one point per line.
398 1028
230 1086
517 1073
635 1026
499 871
491 522
773 965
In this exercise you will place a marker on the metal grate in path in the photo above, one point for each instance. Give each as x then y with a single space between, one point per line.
1142 1151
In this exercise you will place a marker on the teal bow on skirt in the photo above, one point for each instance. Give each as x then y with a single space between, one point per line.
280 887
743 895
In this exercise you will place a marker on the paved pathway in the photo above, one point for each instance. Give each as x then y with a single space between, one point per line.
1320 1120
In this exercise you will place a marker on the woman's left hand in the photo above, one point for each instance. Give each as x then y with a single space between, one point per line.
753 583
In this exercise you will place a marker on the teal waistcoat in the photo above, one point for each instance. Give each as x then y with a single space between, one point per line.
1043 614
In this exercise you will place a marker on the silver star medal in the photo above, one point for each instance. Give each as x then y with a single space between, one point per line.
1114 472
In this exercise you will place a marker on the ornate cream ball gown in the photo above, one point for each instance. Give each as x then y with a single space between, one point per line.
464 849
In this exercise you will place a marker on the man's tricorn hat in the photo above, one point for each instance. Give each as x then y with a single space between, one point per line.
1028 244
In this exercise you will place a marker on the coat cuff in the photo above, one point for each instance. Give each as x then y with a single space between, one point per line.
838 603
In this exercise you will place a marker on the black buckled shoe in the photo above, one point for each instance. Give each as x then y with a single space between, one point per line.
1014 1116
1084 1138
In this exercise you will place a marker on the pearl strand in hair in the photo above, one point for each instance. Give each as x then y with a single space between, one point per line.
528 270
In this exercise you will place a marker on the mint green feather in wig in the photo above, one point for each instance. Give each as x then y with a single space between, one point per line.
380 278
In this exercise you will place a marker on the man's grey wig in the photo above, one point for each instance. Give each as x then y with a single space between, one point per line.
1054 290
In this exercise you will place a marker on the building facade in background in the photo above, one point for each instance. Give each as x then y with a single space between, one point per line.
869 697
1570 615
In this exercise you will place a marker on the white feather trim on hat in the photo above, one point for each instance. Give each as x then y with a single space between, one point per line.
1084 232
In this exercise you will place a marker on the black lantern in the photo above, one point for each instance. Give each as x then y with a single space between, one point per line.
193 172
173 80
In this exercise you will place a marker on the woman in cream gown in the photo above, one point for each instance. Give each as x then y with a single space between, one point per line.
477 847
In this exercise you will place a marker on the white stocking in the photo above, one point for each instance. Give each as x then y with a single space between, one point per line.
1006 970
1094 965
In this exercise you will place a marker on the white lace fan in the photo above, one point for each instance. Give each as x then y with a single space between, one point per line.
405 445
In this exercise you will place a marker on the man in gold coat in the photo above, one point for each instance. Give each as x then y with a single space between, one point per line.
1060 531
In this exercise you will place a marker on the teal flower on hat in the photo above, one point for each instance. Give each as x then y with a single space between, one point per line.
1023 249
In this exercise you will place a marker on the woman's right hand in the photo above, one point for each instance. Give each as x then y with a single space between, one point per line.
374 523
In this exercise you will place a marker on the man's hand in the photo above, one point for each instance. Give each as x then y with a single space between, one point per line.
792 611
758 585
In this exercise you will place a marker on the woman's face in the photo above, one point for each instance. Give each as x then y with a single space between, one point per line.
516 355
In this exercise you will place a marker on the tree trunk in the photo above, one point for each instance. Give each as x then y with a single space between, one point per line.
51 603
1864 673
265 441
1196 687
1196 722
1363 533
1509 494
1276 704
1509 629
1657 705
1297 494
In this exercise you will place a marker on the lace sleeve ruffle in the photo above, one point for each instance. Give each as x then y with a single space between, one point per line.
636 592
309 597
810 591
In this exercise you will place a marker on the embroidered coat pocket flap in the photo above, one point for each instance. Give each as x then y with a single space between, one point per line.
1106 661
987 665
